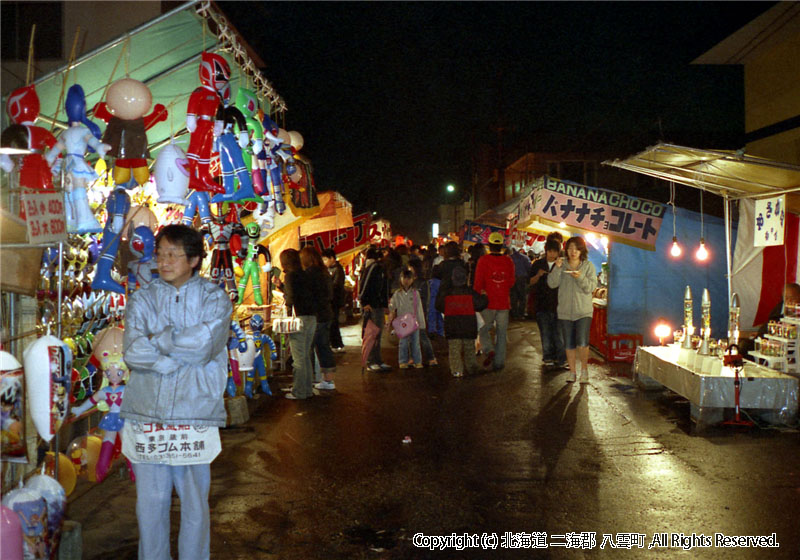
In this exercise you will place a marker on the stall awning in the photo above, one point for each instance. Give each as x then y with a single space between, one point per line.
730 174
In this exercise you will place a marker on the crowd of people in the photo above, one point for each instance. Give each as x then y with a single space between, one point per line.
422 292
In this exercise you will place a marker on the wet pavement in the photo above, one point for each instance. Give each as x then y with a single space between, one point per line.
562 468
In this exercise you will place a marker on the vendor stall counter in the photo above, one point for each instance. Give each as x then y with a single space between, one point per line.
709 387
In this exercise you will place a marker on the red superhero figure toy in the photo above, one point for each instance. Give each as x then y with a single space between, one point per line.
201 118
23 109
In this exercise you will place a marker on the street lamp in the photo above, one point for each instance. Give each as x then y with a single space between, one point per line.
451 188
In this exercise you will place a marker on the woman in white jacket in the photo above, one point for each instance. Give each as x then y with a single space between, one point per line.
575 279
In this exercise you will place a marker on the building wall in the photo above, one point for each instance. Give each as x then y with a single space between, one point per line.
772 95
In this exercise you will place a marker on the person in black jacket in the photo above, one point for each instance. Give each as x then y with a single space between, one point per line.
546 298
301 297
323 287
337 302
373 294
459 303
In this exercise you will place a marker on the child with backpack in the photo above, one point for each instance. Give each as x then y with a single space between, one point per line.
459 303
406 307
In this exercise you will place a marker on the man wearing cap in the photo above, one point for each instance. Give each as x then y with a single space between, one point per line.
495 276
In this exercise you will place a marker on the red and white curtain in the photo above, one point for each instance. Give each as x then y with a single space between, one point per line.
758 274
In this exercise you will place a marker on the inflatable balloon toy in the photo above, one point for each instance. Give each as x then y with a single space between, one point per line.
48 374
172 175
276 150
83 452
125 111
247 103
34 172
244 358
221 228
261 340
116 372
118 204
81 135
201 120
11 540
251 266
234 168
143 270
301 182
56 499
13 409
31 509
238 342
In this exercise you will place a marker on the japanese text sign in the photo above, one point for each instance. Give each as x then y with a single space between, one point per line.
343 240
44 214
770 217
627 219
479 233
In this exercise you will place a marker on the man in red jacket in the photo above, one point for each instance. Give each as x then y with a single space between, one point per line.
494 276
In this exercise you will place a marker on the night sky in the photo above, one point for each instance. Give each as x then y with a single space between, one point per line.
393 99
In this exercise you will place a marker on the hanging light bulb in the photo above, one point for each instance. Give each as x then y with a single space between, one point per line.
702 252
675 251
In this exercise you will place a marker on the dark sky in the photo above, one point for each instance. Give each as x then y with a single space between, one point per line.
393 99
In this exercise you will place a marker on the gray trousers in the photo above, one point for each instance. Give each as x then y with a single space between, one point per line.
462 355
154 485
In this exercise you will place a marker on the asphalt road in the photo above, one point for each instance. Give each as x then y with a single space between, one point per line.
516 458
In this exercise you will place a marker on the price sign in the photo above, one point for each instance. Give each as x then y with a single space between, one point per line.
769 222
44 214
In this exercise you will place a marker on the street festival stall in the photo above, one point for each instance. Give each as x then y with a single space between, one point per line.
78 234
640 280
765 258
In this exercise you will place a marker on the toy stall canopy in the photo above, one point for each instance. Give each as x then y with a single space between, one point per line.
645 286
163 53
754 272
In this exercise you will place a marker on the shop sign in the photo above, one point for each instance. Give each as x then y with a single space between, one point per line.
479 233
343 240
631 220
770 215
44 215
151 442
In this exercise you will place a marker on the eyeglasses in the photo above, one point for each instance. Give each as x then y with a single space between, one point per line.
168 255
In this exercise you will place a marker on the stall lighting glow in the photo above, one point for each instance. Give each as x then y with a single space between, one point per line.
675 251
435 230
604 241
562 225
451 188
591 236
702 252
662 331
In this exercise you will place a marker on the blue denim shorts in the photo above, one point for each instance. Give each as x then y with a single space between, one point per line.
575 333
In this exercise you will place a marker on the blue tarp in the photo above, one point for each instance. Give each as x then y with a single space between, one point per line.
647 285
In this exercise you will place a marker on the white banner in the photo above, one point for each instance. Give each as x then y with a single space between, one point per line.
146 442
770 215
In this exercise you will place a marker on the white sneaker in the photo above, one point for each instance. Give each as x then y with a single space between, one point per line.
584 377
325 386
571 377
339 350
375 367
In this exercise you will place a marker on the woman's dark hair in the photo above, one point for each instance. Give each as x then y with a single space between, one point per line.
190 239
290 260
309 257
330 253
374 253
580 244
407 273
416 266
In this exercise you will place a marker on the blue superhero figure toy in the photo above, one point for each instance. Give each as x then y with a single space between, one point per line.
118 204
260 339
237 342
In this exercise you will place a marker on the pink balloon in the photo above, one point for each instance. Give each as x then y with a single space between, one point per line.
10 535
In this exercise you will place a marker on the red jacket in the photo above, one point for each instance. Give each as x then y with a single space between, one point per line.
495 276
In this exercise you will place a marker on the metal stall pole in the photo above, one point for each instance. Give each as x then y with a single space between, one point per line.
727 213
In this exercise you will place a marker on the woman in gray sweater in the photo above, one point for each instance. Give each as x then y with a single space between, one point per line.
576 279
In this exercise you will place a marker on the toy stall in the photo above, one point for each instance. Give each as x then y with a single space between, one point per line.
704 363
169 123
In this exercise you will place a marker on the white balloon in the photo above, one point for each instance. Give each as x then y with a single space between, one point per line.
171 175
296 140
46 359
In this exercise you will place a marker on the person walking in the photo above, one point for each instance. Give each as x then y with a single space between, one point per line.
495 276
575 279
175 345
301 297
373 296
459 303
405 300
519 292
322 284
337 302
546 298
424 289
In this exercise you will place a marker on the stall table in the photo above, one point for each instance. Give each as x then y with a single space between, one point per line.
709 387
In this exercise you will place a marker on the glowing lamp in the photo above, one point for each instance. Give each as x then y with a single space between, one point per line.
662 330
675 251
702 252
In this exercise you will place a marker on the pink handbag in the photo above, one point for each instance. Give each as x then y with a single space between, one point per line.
406 324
